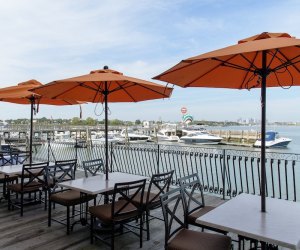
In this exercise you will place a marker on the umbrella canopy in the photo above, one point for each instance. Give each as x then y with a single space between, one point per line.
260 61
21 94
104 86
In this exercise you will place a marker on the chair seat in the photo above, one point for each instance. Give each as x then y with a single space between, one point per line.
9 178
104 212
192 240
193 216
70 198
33 186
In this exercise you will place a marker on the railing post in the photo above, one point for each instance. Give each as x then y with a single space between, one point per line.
76 147
48 139
111 157
157 160
224 172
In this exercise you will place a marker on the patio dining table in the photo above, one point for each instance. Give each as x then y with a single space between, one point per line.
279 225
98 184
14 169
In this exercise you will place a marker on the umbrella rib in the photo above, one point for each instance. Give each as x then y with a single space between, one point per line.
99 90
182 67
232 65
247 72
273 57
207 72
122 88
288 62
81 84
251 63
133 84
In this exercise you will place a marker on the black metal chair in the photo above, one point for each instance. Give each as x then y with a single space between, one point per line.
191 187
60 172
22 157
92 167
121 211
33 181
178 236
159 184
9 157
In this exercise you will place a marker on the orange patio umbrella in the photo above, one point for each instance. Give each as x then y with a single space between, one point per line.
21 94
104 86
260 61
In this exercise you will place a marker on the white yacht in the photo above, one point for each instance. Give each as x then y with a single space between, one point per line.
273 140
112 138
130 136
200 137
167 133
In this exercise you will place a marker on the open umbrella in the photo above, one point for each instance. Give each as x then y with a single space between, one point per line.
20 94
104 86
260 61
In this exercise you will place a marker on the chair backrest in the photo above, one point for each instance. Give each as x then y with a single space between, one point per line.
63 166
191 186
22 157
93 167
34 175
59 172
173 209
9 157
159 184
127 192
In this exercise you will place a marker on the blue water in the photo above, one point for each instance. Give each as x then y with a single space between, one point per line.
292 132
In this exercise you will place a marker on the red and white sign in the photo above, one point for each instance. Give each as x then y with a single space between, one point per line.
183 110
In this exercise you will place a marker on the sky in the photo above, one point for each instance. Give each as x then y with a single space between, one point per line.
49 40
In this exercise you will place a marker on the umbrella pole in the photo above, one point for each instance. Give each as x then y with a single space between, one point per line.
31 129
106 130
263 130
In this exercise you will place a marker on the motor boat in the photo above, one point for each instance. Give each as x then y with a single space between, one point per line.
167 133
130 136
273 140
112 138
200 137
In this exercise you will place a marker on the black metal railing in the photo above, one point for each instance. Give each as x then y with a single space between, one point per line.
224 172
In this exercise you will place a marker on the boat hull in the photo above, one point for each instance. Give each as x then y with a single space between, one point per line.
283 143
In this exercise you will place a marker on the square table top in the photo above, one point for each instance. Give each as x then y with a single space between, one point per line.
11 169
97 184
279 225
14 169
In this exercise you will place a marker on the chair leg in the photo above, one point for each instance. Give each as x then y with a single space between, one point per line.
21 205
92 230
8 199
112 240
68 220
147 224
49 213
141 231
46 197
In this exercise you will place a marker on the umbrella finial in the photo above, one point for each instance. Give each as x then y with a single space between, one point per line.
105 67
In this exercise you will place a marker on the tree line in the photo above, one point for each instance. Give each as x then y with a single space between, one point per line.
74 121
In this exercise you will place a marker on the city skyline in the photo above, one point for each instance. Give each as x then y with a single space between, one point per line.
50 40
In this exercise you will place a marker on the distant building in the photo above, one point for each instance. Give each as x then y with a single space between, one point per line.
147 124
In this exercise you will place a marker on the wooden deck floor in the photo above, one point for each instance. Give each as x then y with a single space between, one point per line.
31 231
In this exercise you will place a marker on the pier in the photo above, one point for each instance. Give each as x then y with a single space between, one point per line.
18 133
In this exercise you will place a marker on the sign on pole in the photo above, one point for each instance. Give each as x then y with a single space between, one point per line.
183 110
